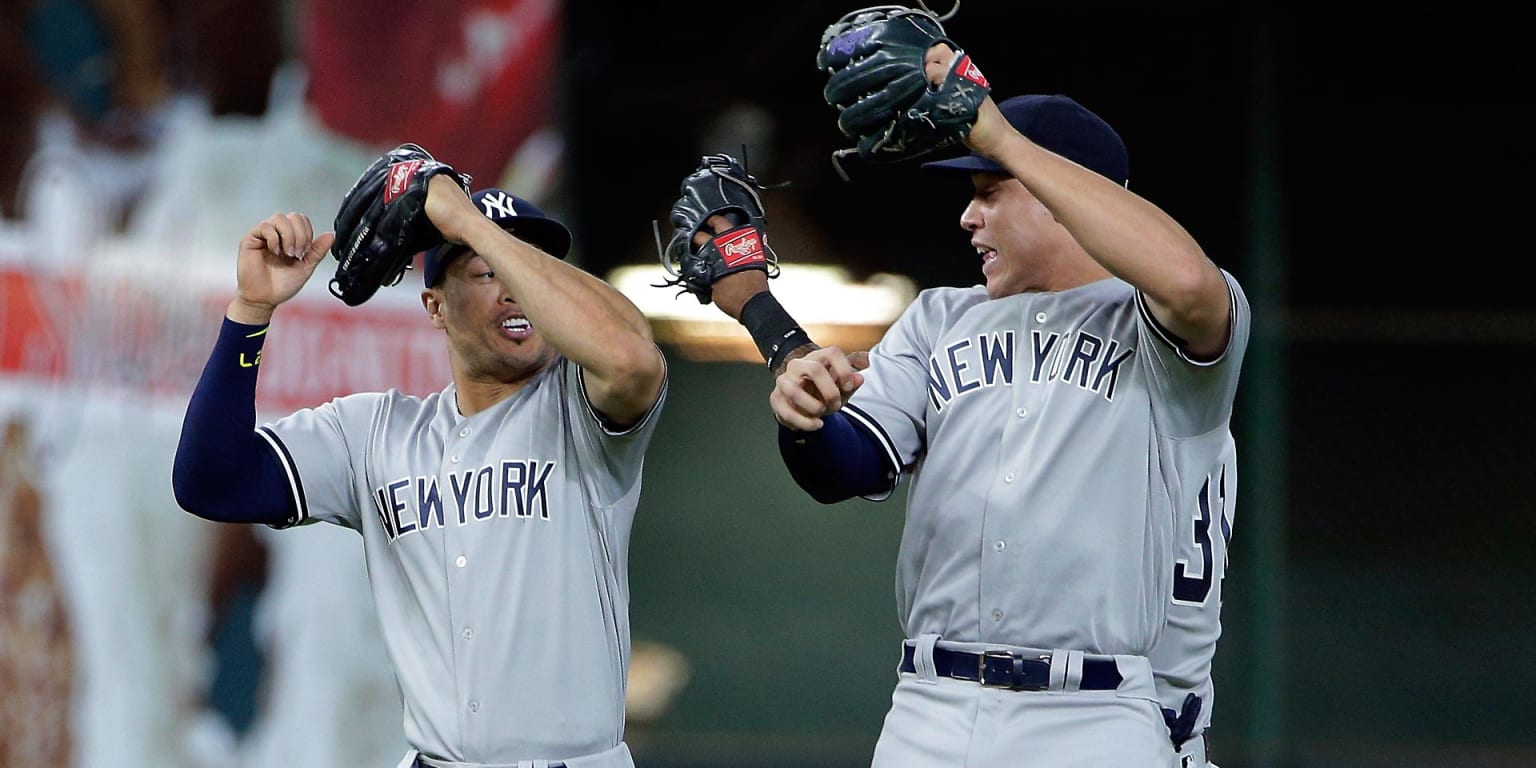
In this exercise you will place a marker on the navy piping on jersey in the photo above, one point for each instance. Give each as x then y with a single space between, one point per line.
867 423
609 428
839 461
285 460
1175 342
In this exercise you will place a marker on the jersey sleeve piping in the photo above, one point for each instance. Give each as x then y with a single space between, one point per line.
1173 341
868 424
604 424
291 471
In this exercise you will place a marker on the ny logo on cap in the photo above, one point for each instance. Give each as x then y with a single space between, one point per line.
498 202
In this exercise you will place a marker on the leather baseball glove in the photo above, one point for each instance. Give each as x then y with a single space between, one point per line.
719 186
381 224
873 59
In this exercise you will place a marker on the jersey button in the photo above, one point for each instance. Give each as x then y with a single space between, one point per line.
1023 413
1008 478
461 561
1000 545
464 432
997 615
469 634
474 706
1039 317
455 459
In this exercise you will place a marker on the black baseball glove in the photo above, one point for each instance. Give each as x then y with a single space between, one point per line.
874 62
719 186
382 223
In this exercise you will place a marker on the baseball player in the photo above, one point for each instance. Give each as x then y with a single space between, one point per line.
1059 423
1181 659
495 515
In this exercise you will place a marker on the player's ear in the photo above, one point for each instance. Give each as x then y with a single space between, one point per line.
432 301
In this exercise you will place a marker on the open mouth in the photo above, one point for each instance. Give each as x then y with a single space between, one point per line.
517 327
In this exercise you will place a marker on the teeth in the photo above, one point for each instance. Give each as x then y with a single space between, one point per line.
515 323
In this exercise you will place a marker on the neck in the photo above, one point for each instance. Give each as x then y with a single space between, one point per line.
476 396
1075 270
477 392
1083 274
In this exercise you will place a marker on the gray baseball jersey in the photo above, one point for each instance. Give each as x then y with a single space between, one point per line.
497 550
1181 660
1052 439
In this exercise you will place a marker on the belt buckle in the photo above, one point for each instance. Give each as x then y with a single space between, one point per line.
1016 668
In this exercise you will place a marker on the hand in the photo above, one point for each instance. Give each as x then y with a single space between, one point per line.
731 292
902 88
382 222
718 197
990 130
717 224
275 259
990 122
936 62
815 385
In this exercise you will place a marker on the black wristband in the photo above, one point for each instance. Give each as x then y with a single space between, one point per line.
775 332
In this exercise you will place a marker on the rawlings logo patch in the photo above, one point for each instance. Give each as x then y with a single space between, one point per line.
966 69
399 178
740 247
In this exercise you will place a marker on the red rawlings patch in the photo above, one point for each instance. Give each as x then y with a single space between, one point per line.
739 247
399 178
969 71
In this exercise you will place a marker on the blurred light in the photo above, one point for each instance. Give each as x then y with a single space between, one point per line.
833 309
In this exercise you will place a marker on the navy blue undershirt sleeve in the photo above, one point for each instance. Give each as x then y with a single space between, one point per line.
224 471
837 462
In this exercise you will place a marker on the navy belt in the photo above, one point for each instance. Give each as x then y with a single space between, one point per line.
1016 672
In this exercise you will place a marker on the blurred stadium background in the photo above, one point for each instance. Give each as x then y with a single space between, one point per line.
1362 167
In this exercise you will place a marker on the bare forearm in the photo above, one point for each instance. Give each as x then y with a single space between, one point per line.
588 320
1131 238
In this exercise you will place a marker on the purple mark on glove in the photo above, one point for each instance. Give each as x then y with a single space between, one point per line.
846 44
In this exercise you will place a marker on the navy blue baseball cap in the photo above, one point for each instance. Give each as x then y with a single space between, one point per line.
1061 125
514 214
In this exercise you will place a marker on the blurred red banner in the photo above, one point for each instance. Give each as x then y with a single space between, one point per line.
469 81
121 336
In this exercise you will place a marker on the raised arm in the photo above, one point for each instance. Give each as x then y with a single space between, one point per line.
583 317
223 470
1127 235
